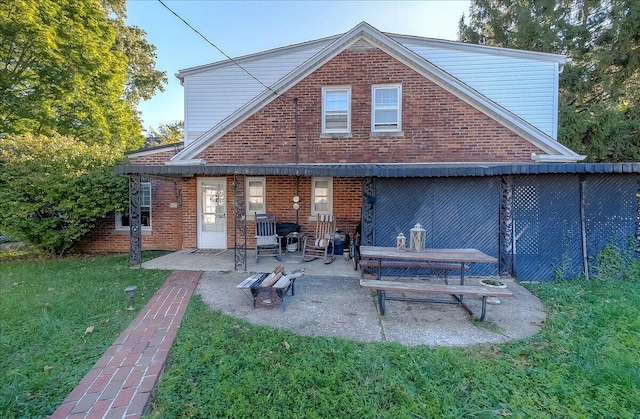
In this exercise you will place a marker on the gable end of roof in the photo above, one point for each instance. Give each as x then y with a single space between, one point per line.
399 52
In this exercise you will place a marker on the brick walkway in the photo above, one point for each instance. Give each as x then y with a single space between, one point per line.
120 384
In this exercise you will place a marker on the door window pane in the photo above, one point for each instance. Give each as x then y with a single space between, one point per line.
213 202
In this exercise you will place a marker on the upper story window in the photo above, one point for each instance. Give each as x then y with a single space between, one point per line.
122 221
255 196
336 109
321 195
386 109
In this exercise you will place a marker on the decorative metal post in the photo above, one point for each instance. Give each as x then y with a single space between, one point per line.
638 221
239 223
135 228
368 201
506 226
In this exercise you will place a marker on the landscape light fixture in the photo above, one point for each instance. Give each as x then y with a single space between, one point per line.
131 292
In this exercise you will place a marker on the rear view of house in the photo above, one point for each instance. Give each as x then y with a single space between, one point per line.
381 129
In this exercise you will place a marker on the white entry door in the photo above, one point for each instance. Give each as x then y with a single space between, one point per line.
212 213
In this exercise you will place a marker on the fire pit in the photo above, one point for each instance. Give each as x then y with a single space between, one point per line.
269 289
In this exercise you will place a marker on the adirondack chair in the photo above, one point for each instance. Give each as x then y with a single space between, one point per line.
320 245
268 243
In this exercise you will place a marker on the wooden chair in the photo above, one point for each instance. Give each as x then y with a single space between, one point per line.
317 246
268 243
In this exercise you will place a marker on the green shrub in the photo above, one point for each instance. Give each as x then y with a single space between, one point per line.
53 190
617 263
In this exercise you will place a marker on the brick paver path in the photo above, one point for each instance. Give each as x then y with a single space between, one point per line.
120 384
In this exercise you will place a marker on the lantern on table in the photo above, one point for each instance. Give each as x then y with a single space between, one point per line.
417 238
401 243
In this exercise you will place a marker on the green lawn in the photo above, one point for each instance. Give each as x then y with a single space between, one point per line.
583 364
46 307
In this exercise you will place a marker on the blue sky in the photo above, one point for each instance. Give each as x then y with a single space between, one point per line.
245 27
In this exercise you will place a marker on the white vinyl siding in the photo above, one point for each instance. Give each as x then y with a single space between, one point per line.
212 94
386 108
321 195
336 109
526 87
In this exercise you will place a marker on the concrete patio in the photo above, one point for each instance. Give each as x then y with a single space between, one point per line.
223 261
329 302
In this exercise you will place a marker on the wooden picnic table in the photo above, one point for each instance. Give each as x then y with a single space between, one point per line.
435 256
461 256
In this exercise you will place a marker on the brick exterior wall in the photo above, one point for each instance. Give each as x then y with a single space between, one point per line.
165 232
190 213
166 222
436 127
280 191
154 159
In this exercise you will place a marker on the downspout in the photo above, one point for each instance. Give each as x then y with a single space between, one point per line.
295 102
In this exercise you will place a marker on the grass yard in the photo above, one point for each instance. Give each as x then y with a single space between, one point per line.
57 317
584 364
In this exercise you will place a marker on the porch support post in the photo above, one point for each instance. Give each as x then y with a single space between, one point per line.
135 228
239 223
506 267
368 201
638 220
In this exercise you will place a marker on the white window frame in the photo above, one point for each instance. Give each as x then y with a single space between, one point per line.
252 212
398 109
346 130
329 209
143 185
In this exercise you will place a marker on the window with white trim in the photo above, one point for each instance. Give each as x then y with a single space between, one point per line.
255 196
122 221
386 108
336 109
321 195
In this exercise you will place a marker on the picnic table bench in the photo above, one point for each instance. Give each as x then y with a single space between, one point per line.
412 264
447 258
274 293
457 291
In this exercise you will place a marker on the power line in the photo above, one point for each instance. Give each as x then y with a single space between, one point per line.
216 47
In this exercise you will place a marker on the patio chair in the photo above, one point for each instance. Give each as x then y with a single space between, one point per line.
318 245
268 242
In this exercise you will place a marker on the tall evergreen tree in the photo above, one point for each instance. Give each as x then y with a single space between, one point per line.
599 90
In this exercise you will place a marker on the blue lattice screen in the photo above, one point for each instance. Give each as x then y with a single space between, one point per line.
546 232
610 211
546 228
456 212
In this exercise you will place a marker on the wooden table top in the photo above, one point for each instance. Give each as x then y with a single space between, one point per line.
432 255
